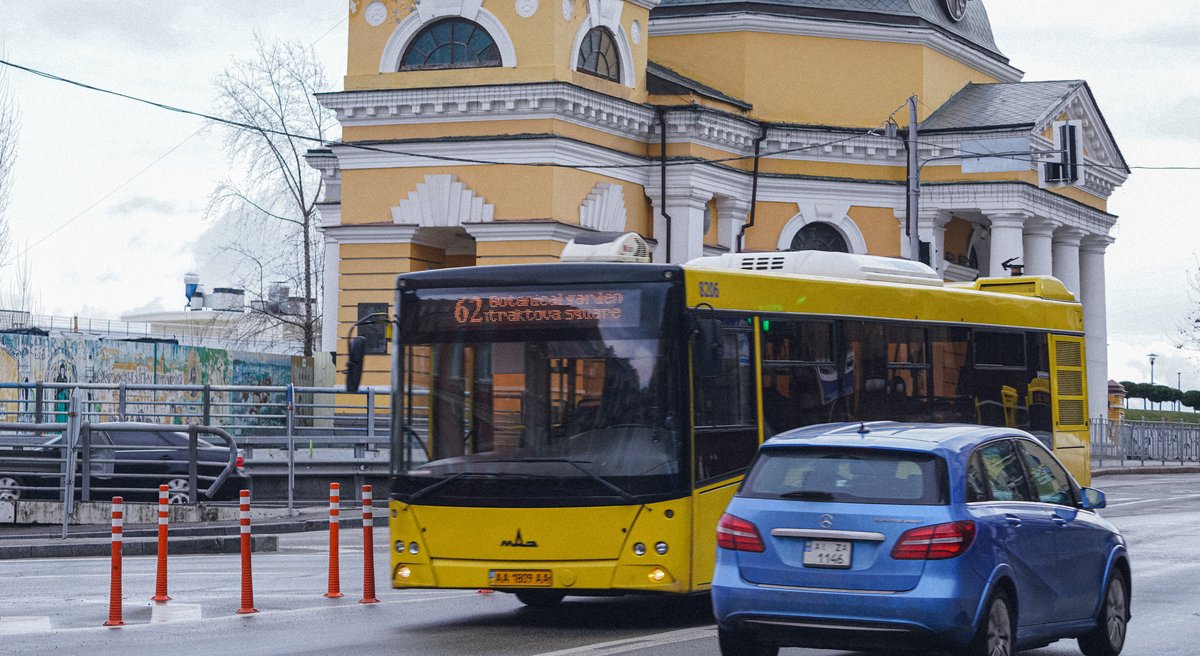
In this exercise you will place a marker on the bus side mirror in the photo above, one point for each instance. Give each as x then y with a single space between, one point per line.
354 362
710 347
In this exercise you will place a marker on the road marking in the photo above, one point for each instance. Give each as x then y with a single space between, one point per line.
15 625
175 613
644 642
1130 503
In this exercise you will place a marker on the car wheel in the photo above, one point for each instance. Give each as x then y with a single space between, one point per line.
177 491
1108 638
995 636
540 598
736 643
9 488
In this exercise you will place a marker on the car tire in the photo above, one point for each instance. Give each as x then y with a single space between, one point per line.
540 598
996 635
10 488
737 643
177 491
1108 638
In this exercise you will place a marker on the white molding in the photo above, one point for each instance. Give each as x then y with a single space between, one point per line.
431 10
754 22
441 201
604 208
329 314
525 231
835 215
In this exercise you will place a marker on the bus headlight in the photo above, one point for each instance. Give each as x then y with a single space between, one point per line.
399 546
661 548
639 549
414 548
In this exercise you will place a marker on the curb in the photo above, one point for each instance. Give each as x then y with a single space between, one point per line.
42 548
1149 469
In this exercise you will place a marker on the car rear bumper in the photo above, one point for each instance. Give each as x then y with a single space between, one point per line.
939 613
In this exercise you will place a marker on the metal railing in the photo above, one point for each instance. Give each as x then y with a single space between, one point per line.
1140 443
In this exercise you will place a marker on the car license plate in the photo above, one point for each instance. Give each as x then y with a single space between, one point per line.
520 578
827 553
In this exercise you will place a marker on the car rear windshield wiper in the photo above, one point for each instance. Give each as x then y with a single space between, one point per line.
808 495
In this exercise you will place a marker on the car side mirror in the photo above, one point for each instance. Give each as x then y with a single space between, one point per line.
354 362
1093 499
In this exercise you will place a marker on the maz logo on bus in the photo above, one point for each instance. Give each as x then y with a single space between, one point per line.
709 290
519 542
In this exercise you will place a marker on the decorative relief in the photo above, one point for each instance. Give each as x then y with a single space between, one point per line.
442 202
375 14
604 208
526 8
635 32
568 7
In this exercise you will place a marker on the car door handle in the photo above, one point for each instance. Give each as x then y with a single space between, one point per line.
1059 520
1012 520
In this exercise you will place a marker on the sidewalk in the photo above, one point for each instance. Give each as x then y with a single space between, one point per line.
1109 468
46 541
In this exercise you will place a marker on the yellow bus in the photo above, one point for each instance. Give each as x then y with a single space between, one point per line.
578 428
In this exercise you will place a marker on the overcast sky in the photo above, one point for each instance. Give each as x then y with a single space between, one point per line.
110 195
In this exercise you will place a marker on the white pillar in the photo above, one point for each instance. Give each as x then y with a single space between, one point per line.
732 214
1095 320
931 227
329 292
1006 242
687 224
1039 257
1065 246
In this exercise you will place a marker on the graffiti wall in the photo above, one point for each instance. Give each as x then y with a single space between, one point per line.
33 359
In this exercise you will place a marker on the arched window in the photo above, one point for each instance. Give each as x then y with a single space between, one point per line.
819 237
451 43
598 55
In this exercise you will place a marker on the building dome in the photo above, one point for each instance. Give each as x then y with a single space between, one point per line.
973 27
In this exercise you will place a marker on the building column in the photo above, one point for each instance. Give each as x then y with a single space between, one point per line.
329 293
1065 248
931 227
1039 258
731 216
686 209
1006 241
1095 320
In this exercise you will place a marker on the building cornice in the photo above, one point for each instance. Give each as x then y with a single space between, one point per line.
742 21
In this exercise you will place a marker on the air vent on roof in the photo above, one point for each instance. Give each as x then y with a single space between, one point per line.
826 264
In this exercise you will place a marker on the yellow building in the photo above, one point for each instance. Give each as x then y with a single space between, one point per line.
493 131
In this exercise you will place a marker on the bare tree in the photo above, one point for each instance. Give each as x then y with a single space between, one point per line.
271 95
9 124
1189 329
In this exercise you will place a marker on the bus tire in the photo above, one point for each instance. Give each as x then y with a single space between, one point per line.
540 598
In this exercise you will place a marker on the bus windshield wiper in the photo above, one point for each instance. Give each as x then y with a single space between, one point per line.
577 465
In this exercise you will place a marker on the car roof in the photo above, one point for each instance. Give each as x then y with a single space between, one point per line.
932 438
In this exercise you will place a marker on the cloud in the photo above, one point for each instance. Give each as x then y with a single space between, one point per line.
139 204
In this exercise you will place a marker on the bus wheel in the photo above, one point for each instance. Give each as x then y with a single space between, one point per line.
540 598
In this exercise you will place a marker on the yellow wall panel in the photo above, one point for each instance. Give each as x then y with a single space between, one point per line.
879 228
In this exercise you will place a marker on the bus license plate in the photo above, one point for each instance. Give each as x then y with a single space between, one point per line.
827 553
520 578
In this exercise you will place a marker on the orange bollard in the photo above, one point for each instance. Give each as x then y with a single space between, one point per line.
247 576
114 588
368 516
160 580
334 578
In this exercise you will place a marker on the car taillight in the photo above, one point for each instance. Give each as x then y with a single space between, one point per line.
738 534
241 462
937 542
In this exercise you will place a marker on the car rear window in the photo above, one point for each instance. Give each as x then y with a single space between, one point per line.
848 476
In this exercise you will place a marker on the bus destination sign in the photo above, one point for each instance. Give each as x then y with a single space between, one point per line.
539 309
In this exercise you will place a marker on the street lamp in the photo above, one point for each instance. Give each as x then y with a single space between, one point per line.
1152 357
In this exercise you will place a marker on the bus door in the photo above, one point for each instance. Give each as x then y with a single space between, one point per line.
726 437
1068 384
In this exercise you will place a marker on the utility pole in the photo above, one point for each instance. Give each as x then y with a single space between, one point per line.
914 185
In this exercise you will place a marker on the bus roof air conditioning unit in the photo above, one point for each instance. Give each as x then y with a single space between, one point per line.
606 247
827 265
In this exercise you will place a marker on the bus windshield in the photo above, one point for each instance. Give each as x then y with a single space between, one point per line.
555 397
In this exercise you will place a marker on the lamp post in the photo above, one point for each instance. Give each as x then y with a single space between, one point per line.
1178 386
1152 357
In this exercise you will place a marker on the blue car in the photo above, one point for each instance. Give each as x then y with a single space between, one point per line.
916 537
